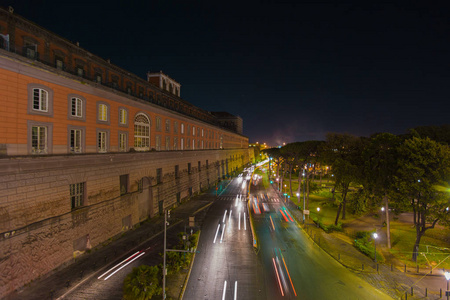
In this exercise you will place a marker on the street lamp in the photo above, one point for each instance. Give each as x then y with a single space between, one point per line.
284 193
447 276
304 190
375 236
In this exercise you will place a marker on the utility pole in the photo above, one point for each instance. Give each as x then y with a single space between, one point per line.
167 212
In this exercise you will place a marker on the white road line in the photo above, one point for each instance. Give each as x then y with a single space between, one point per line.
217 231
229 218
224 216
239 221
235 290
223 231
245 223
224 290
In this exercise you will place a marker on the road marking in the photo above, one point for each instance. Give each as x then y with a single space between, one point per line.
235 290
224 216
245 223
223 231
229 218
217 231
239 221
224 290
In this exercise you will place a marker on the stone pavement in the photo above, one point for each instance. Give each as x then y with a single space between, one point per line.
392 280
55 284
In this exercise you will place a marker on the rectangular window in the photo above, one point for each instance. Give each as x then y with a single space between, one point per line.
182 128
59 63
175 127
75 140
122 142
158 123
159 176
122 116
182 144
124 184
103 112
98 78
158 143
167 143
175 143
199 166
188 129
167 125
193 131
177 171
193 144
39 139
207 164
203 132
202 145
77 194
80 71
40 100
76 107
189 168
102 139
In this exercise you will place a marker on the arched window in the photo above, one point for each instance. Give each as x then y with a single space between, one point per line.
141 133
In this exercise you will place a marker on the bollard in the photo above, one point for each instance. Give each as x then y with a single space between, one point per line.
67 283
426 292
412 291
362 267
52 292
406 295
405 268
105 259
440 293
431 271
81 274
339 256
417 268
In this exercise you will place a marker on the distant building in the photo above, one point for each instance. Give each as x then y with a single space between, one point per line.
89 150
229 121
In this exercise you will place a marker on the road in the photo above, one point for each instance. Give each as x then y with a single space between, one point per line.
287 266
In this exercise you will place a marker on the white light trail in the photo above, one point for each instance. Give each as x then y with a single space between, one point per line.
129 262
223 231
245 223
217 231
224 290
235 290
237 198
278 277
229 218
123 261
224 216
239 221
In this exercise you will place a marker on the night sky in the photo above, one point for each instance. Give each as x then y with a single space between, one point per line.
293 70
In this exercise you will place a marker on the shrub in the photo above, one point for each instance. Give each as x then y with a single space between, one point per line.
364 243
142 283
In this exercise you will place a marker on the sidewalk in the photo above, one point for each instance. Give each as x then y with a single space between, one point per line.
390 279
59 281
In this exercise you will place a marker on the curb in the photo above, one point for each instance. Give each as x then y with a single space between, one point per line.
190 269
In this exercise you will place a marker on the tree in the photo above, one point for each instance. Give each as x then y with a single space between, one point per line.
142 283
380 167
424 165
344 152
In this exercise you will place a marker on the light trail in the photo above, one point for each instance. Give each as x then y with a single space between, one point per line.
282 257
237 197
229 218
287 213
123 261
129 262
278 276
239 221
223 231
272 223
235 290
224 290
245 223
217 231
284 215
224 216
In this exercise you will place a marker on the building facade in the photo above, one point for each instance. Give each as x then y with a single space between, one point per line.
88 150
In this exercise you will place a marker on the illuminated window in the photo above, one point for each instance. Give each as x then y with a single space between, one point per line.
158 123
123 142
40 100
39 140
76 107
77 194
103 112
102 139
75 140
182 128
141 133
123 116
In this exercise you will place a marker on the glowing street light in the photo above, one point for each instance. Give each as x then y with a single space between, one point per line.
447 276
375 236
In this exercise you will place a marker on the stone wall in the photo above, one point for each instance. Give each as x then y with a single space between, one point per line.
40 231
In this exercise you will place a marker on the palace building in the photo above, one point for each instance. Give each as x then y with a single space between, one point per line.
88 150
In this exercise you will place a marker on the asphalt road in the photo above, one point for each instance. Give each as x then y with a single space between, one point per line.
287 266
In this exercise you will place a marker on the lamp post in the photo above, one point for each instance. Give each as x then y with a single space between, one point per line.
447 276
304 190
318 210
284 193
375 236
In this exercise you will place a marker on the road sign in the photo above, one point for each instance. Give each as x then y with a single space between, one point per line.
306 212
